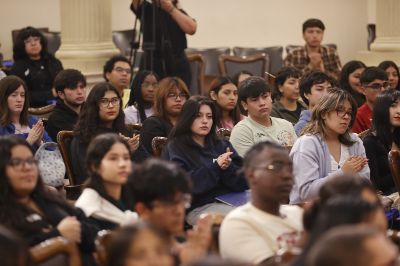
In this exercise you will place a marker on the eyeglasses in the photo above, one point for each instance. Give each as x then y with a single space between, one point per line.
32 40
185 200
105 102
146 85
18 163
276 166
377 86
342 112
175 96
120 70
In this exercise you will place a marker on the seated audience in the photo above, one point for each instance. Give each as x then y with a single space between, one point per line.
13 249
105 199
101 113
70 86
162 193
255 98
313 86
240 76
384 136
170 97
353 246
343 210
350 80
327 148
117 71
211 163
139 244
373 82
224 94
31 210
250 233
14 117
141 98
35 66
286 101
392 71
314 56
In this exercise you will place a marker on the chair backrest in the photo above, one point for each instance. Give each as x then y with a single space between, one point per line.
394 164
256 64
123 39
274 53
52 252
64 138
224 133
157 145
371 28
197 68
42 112
364 133
136 128
53 41
291 47
102 241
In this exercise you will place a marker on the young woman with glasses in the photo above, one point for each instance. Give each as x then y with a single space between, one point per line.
14 118
36 66
211 163
101 113
105 199
170 97
141 99
31 210
327 148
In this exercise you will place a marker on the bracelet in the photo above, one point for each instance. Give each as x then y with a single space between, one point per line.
172 9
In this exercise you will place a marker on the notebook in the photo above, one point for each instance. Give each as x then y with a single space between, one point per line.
235 199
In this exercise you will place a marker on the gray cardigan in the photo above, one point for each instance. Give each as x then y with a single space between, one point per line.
311 162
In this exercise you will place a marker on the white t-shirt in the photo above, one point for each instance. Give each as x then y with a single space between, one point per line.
248 132
251 235
132 114
344 154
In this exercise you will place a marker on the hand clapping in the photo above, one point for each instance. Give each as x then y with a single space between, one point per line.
224 160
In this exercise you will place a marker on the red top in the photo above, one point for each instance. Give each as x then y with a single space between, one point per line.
363 119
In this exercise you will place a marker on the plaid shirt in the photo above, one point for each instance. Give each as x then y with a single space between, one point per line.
299 58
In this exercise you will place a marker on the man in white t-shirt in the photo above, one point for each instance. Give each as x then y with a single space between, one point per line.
255 97
254 232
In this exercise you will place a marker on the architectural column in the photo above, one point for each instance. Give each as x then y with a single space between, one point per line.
86 37
387 43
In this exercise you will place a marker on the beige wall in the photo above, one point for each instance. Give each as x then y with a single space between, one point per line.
223 22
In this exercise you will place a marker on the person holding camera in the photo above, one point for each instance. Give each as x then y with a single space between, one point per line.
164 27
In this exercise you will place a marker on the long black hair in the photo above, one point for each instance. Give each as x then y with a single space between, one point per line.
136 96
97 149
12 213
385 65
19 51
216 86
347 69
381 119
89 122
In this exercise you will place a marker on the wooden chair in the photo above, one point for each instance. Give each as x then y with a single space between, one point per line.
64 138
157 145
56 252
274 53
257 64
210 56
102 241
197 67
136 128
363 134
394 164
224 133
42 112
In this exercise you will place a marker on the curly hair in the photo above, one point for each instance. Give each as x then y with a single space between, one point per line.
19 51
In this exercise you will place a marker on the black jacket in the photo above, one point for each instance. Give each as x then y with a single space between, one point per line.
62 118
38 76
